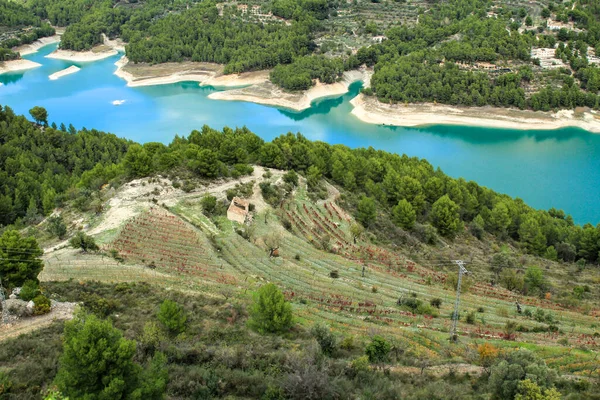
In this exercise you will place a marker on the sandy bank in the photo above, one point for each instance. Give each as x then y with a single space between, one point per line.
116 44
17 65
38 44
204 73
369 110
96 54
67 71
269 94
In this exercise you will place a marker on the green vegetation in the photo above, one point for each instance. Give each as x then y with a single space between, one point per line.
271 313
40 168
21 26
172 316
380 181
84 242
97 363
301 74
460 52
325 318
19 259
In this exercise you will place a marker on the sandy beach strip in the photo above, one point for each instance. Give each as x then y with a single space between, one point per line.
205 74
369 109
17 65
82 56
38 44
67 71
269 94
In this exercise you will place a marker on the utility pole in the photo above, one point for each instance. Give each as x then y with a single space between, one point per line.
3 302
461 270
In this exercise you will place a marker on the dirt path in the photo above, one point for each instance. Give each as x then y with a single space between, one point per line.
60 312
136 197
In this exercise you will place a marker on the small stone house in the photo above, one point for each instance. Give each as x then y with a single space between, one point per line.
238 210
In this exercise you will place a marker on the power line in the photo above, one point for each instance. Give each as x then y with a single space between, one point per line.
461 270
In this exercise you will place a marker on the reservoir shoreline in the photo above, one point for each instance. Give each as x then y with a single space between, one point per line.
255 87
547 168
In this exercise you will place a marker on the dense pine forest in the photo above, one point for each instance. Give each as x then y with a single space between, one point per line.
14 17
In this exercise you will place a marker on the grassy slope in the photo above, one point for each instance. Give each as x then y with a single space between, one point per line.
229 265
218 270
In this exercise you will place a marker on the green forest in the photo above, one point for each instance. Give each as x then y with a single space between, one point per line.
434 60
38 174
13 18
40 167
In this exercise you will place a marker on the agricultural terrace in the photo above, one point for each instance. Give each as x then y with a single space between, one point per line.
184 249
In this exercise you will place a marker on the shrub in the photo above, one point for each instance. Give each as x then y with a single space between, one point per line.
516 366
83 242
488 353
42 305
208 204
480 309
347 343
291 177
470 318
5 384
409 303
56 226
172 316
273 393
360 364
426 309
30 290
326 339
374 289
97 363
100 306
270 312
436 302
378 350
528 389
509 330
334 274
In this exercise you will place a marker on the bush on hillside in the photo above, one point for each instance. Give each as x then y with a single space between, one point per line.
42 305
172 316
271 313
83 242
29 291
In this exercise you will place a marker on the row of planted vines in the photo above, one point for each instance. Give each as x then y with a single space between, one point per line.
159 239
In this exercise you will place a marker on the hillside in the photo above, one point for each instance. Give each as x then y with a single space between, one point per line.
534 56
159 218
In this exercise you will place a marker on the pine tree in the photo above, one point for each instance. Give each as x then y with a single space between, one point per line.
444 216
271 313
404 214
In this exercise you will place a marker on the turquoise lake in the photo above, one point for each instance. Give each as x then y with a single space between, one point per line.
545 168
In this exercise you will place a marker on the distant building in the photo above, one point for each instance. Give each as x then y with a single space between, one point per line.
238 210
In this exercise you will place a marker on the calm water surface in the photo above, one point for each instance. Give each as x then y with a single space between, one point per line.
546 168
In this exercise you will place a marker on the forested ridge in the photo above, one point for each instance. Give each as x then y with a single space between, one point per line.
408 70
40 169
439 59
14 19
39 166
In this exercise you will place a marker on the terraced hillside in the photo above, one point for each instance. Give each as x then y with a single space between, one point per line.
353 286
